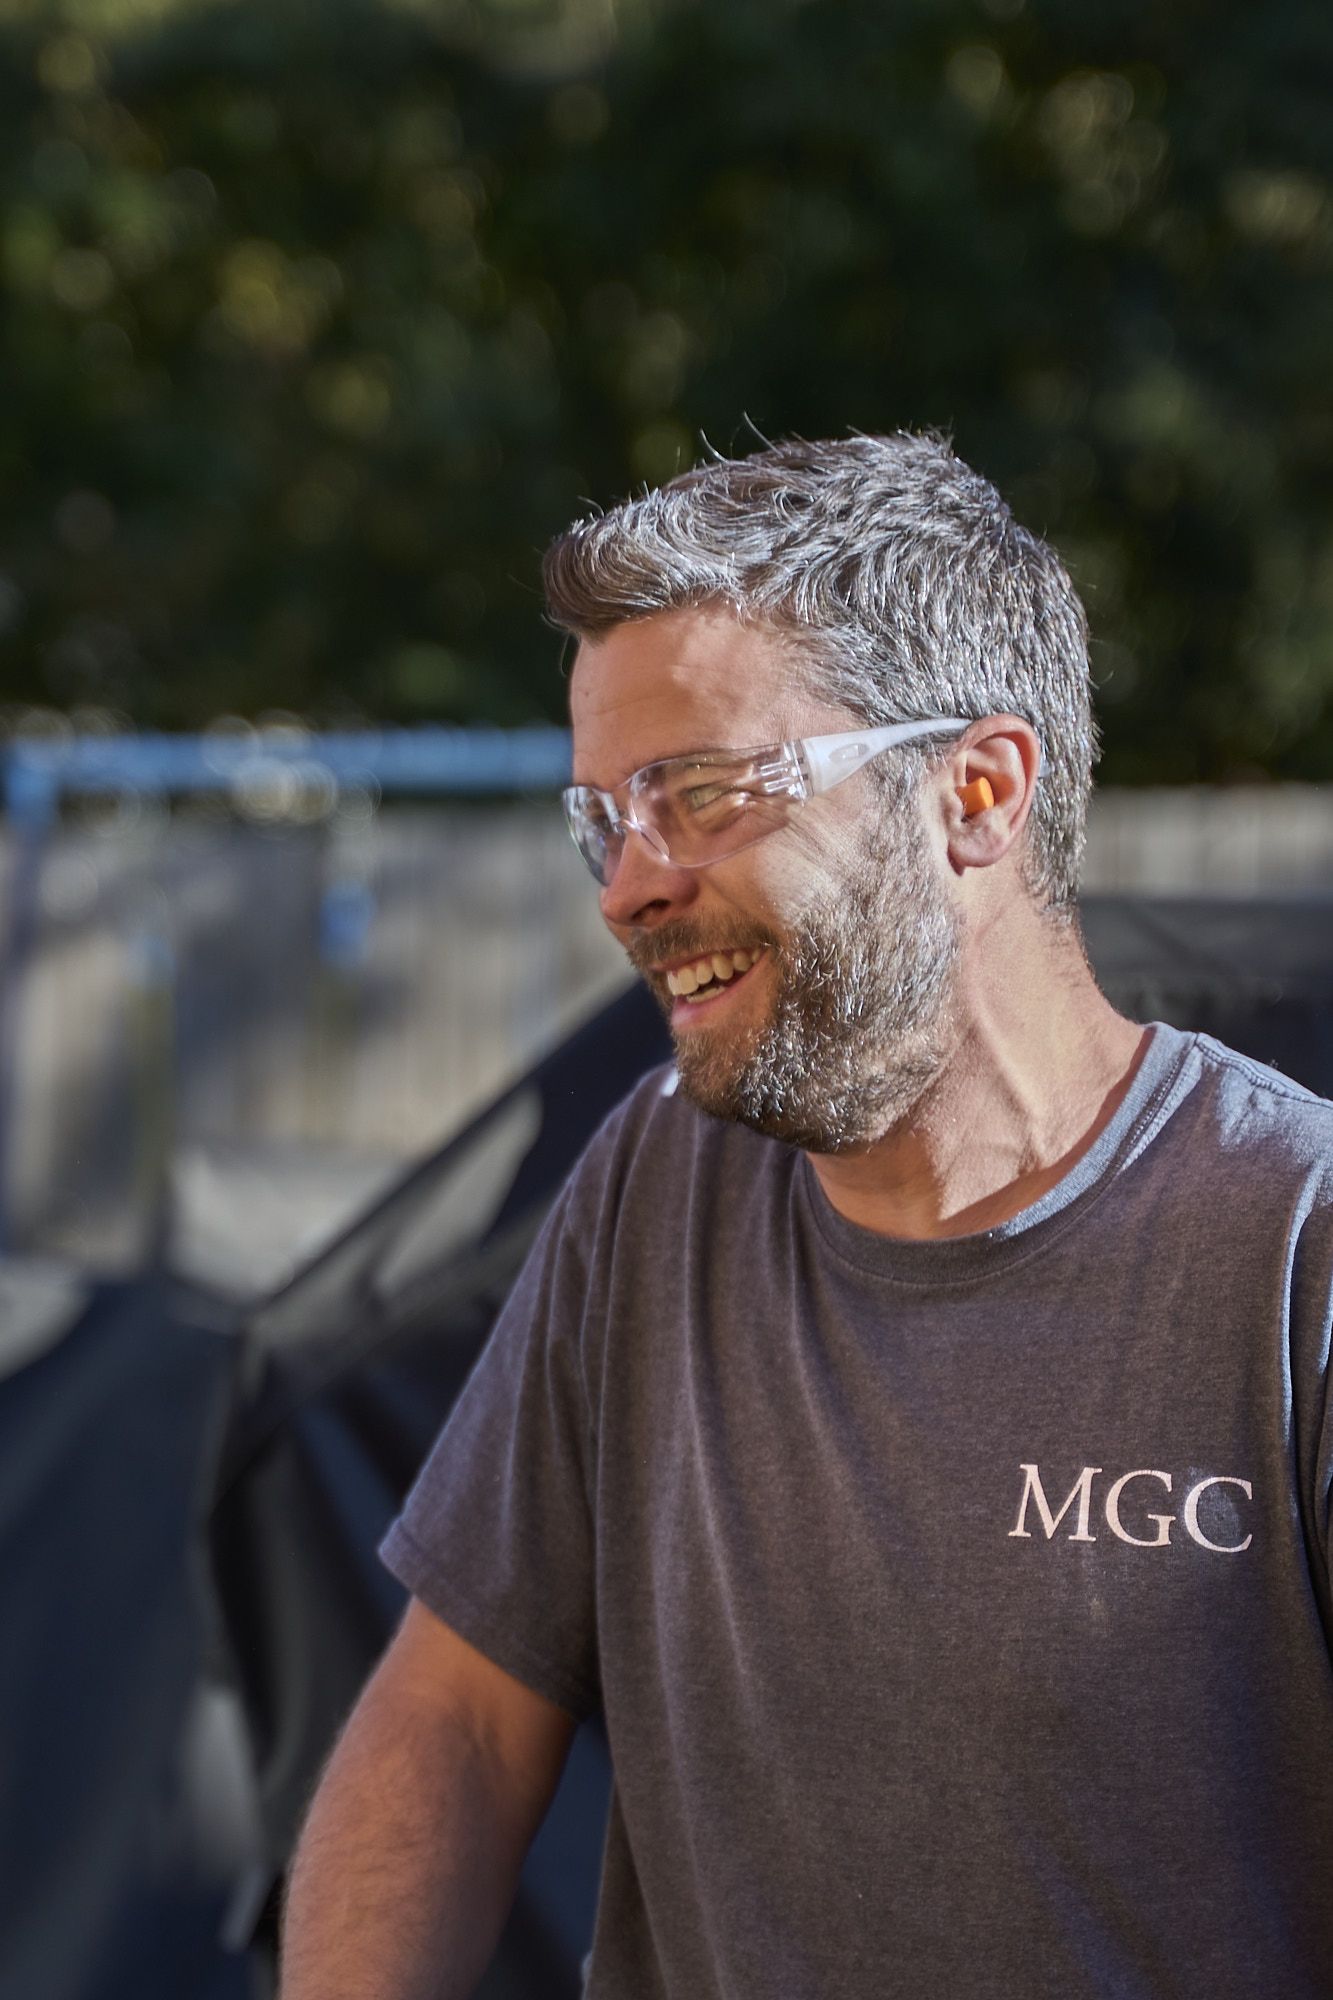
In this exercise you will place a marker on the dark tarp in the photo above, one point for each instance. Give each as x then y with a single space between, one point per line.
1256 975
356 1362
108 1455
108 1447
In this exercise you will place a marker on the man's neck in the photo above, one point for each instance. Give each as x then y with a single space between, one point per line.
1037 1067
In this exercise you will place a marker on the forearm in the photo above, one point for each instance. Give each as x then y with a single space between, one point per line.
407 1865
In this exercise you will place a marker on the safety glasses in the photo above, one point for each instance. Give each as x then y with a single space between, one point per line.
694 810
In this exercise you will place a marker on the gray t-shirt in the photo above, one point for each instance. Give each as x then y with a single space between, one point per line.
960 1611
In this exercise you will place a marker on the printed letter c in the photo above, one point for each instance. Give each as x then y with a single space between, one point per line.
1195 1532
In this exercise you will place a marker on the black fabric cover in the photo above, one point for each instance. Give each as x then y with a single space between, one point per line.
108 1446
1257 975
355 1363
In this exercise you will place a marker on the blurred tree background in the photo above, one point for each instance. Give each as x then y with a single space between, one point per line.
321 316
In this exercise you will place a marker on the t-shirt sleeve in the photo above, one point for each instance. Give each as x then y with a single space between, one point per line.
496 1535
1310 1309
1324 1463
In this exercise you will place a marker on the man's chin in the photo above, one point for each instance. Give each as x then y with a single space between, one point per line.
829 1115
705 1068
738 1095
714 1078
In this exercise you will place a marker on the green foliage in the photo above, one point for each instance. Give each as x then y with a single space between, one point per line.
321 317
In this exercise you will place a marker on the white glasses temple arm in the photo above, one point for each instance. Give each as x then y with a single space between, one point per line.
830 759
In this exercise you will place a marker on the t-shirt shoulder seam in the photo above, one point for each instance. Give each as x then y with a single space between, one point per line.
454 1602
1261 1075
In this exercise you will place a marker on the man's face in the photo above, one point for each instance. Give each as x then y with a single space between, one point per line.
832 1034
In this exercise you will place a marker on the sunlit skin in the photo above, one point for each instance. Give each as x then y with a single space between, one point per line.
1035 1059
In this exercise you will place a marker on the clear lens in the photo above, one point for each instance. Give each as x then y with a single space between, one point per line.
597 838
690 810
707 807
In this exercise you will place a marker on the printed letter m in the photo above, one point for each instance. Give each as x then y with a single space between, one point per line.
1081 1491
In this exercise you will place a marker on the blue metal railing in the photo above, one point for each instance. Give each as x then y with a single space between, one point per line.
37 773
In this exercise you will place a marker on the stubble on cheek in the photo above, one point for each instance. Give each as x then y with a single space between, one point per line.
855 1012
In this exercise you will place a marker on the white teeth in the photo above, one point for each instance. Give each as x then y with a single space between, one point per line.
719 965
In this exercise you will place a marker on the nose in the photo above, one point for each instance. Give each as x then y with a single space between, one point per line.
644 888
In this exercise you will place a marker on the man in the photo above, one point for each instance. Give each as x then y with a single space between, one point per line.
913 1432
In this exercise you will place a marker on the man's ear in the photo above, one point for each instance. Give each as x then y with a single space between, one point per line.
988 786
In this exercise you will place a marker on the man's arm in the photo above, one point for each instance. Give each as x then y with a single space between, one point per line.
411 1852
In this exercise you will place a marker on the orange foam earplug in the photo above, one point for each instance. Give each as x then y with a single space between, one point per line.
976 797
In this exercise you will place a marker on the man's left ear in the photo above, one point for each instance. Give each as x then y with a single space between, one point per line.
991 780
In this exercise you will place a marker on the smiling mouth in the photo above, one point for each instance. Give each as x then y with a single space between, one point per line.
708 978
711 968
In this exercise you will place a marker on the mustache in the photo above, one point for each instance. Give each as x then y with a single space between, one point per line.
677 939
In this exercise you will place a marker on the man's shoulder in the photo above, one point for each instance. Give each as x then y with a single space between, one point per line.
1264 1094
1264 1115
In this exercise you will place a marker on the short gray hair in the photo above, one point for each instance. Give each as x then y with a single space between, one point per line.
901 575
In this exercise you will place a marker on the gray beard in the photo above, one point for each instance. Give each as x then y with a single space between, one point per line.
858 1028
